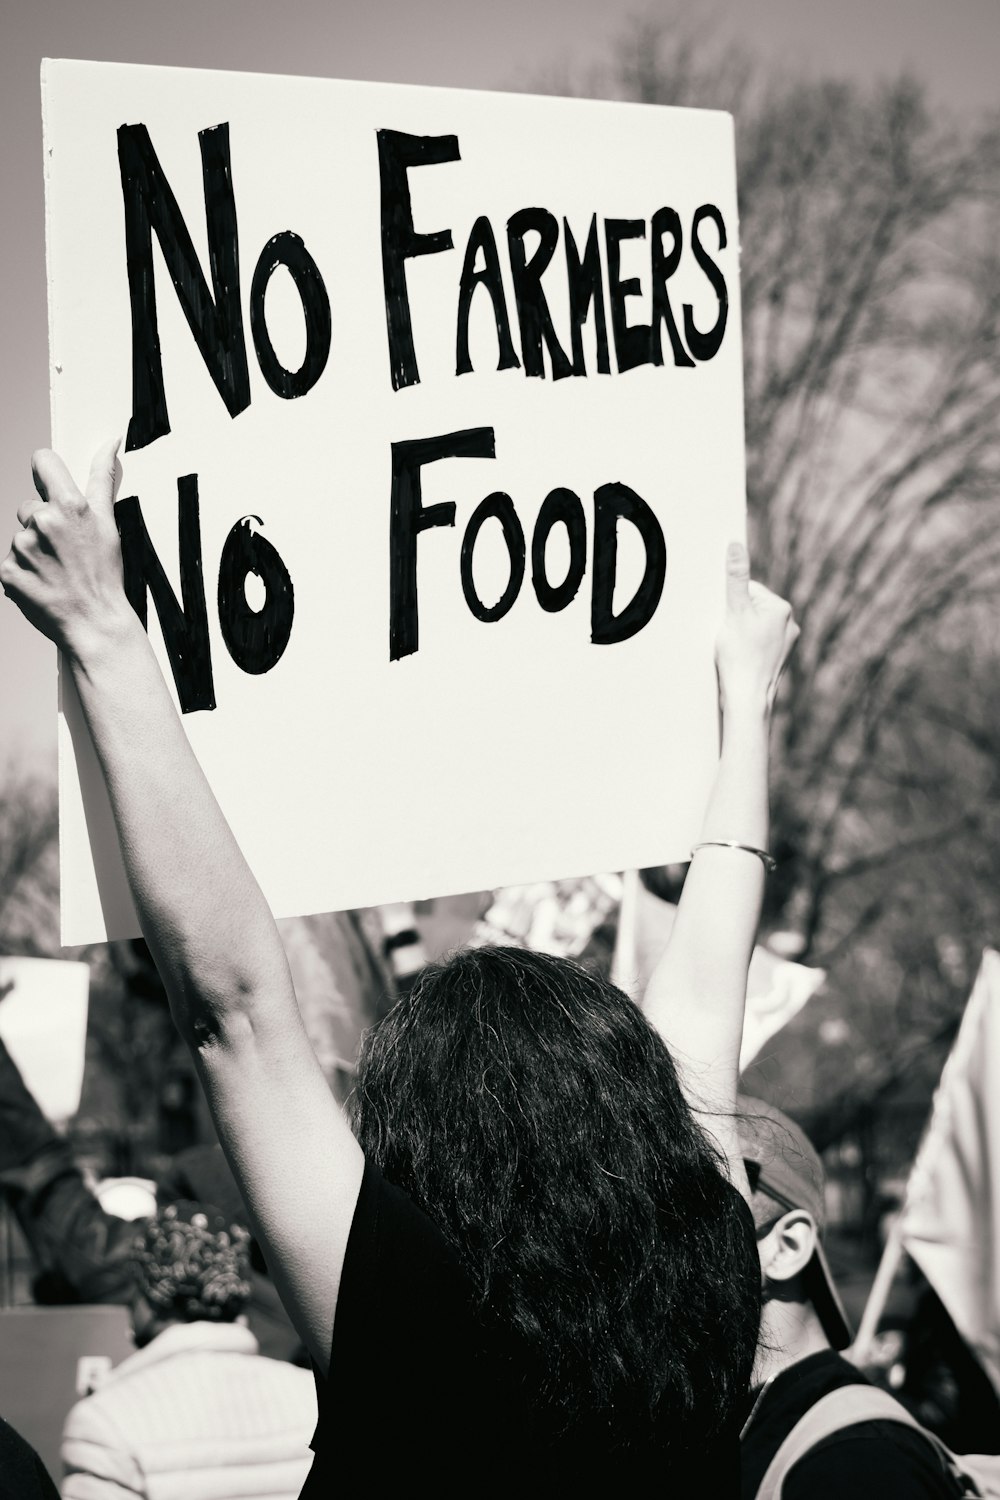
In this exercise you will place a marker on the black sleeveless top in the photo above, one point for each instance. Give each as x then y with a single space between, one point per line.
417 1392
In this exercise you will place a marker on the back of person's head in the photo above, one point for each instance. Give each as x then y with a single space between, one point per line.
191 1265
527 1106
789 1209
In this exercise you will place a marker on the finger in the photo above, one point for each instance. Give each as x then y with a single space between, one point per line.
14 571
101 483
27 509
791 635
53 481
761 595
23 549
737 576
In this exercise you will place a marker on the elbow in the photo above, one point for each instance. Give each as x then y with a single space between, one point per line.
222 1015
221 1000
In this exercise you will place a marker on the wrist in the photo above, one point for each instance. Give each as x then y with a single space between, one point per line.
89 645
745 706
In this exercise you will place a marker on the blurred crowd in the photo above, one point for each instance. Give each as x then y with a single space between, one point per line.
219 1381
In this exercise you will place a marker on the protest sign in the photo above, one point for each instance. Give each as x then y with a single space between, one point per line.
434 443
44 1352
43 1023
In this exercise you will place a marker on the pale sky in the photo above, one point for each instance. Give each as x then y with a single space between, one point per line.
953 44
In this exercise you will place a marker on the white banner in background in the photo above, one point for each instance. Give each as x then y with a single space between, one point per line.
776 988
950 1221
43 1023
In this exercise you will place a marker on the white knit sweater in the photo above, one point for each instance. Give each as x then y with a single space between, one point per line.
198 1414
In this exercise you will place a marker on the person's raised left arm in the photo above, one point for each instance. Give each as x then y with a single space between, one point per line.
202 913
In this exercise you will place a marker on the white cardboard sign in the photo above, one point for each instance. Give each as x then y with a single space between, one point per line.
435 441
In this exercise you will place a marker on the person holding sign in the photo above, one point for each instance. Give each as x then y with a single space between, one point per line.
555 1281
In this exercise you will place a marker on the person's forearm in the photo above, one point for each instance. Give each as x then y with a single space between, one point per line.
202 913
83 1253
706 960
70 1235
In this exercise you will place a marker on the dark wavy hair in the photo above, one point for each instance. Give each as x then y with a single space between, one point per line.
526 1105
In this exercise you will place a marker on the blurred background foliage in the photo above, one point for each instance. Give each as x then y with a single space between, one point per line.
871 309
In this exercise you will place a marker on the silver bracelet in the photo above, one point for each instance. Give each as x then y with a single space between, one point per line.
767 860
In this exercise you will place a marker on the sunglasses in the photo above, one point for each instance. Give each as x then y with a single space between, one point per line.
760 1184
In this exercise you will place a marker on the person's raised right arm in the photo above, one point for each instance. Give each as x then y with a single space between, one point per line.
202 913
697 992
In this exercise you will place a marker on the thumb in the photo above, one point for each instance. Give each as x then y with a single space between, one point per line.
103 473
737 576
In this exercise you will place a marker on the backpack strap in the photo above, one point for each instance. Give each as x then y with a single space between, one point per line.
845 1407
